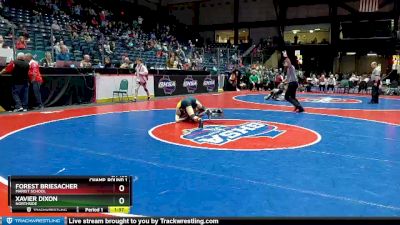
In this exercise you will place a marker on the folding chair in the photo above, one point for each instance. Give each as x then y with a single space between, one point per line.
393 89
123 90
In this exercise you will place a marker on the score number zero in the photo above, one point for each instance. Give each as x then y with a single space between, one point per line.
121 200
121 188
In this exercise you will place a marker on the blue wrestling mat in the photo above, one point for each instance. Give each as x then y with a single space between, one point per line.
251 163
325 101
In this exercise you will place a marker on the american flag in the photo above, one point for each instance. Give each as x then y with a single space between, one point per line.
369 5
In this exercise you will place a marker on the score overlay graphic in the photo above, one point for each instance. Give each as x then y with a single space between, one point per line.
89 194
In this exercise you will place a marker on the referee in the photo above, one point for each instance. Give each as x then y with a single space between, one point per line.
376 79
291 78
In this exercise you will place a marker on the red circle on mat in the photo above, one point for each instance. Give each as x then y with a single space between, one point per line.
327 100
236 135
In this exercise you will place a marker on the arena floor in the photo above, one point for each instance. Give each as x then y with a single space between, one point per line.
340 158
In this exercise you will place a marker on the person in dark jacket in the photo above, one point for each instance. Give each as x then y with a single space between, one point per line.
20 82
293 84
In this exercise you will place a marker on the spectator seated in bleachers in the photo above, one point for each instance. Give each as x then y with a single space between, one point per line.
2 43
57 48
180 53
322 83
75 36
127 64
84 37
64 55
354 78
47 61
254 81
331 83
94 22
25 34
107 62
77 10
363 83
85 63
37 17
55 26
172 61
107 48
314 81
21 43
55 8
88 38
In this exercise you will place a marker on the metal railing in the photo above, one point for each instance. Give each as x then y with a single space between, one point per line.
13 27
222 58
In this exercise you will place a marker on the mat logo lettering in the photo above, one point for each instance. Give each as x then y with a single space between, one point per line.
220 135
235 135
328 100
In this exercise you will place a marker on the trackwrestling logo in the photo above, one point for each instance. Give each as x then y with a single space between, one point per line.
235 135
220 135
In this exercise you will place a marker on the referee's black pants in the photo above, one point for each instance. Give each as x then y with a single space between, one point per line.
375 94
290 95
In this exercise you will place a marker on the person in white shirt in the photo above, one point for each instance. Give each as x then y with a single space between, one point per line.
354 78
141 78
314 80
140 20
2 43
376 80
331 82
322 83
57 48
107 48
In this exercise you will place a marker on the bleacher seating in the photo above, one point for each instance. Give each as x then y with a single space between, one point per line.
40 39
